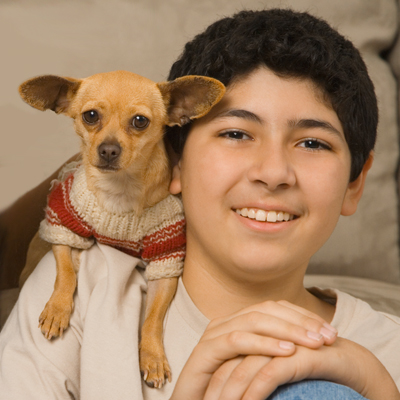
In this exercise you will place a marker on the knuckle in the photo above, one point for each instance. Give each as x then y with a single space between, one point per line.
269 304
219 378
252 318
234 338
240 374
311 324
265 375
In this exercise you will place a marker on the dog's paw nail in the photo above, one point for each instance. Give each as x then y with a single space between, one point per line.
168 376
144 374
150 384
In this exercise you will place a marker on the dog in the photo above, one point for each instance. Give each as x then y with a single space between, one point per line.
118 193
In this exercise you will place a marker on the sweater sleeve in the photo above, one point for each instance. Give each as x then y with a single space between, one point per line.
63 225
164 247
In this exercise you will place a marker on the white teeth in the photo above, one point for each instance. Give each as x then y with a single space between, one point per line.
271 216
261 215
286 216
251 214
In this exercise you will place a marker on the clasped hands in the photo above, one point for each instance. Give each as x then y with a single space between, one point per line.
247 355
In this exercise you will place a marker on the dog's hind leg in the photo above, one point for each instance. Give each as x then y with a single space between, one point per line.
153 362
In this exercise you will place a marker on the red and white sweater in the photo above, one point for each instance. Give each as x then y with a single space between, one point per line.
75 218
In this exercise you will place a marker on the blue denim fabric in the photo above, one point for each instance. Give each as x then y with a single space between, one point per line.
315 390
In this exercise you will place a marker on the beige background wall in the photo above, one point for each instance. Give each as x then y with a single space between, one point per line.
81 37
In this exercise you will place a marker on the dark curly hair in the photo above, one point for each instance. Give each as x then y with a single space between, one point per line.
291 44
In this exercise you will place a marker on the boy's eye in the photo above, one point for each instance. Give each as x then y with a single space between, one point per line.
314 144
238 135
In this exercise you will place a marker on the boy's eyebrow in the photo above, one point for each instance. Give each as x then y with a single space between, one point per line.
315 123
245 114
302 123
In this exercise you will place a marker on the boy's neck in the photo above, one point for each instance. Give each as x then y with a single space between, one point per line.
217 296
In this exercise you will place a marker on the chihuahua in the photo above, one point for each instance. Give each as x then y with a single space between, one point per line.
118 193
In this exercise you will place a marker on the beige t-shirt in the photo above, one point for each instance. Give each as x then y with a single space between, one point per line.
98 356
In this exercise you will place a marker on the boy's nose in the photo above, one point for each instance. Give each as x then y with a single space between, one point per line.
273 169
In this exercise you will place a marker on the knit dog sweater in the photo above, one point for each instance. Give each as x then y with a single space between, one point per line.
75 218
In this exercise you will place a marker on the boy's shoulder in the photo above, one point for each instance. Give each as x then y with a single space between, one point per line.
377 331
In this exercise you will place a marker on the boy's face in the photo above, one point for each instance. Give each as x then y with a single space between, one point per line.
273 145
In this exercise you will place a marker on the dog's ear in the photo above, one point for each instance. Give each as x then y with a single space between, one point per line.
190 97
49 92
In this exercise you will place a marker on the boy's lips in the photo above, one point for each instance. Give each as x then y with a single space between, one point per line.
265 215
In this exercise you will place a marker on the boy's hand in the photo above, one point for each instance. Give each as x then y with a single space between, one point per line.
269 329
345 362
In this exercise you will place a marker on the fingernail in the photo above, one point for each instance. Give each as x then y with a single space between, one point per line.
326 333
286 345
330 327
314 335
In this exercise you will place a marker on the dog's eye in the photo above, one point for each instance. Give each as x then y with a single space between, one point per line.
140 122
91 116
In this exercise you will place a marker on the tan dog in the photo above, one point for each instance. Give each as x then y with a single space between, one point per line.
120 117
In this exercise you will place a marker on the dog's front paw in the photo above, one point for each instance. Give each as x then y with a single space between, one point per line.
54 319
154 367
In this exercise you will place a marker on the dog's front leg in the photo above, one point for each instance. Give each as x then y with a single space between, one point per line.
153 362
54 319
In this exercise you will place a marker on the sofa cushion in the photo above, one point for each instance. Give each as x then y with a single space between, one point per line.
381 296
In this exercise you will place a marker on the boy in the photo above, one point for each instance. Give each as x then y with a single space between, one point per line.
264 178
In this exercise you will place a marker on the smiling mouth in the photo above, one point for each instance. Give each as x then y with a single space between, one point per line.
265 216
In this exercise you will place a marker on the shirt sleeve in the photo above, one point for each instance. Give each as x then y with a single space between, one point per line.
32 367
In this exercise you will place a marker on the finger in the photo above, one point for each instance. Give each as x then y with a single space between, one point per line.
282 370
278 328
328 331
220 377
216 351
300 310
209 355
267 380
241 377
280 308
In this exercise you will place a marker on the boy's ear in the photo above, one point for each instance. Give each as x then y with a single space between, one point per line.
49 92
356 188
175 186
190 97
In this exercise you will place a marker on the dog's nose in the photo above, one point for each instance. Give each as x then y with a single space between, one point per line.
109 152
